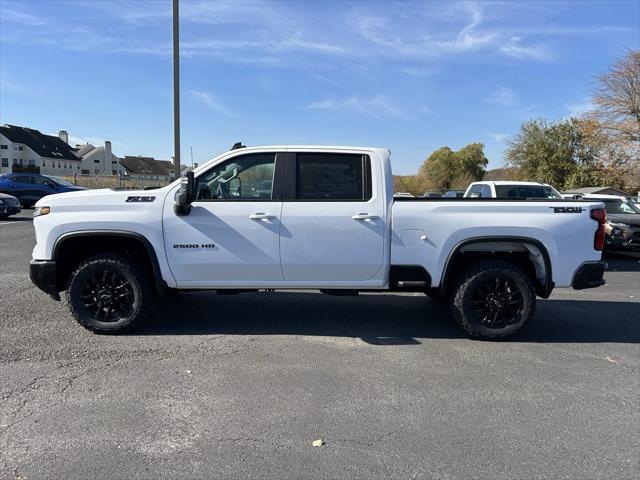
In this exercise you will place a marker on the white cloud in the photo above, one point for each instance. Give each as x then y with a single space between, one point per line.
515 48
377 106
469 38
579 108
498 137
503 96
23 18
279 33
211 102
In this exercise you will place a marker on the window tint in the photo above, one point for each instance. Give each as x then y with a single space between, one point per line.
525 191
42 181
332 177
475 188
485 192
23 179
242 178
618 207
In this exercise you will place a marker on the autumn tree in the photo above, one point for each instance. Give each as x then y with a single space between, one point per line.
617 100
554 153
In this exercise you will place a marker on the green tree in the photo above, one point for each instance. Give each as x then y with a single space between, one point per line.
554 153
446 169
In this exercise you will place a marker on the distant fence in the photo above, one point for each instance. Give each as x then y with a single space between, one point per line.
129 182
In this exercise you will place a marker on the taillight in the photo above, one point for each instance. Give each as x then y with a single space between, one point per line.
599 215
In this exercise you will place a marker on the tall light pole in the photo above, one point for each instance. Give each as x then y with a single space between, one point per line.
176 90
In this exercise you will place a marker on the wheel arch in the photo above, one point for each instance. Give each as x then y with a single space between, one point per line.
536 254
104 241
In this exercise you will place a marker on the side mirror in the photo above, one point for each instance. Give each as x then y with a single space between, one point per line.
185 195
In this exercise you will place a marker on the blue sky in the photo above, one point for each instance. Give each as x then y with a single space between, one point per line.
411 76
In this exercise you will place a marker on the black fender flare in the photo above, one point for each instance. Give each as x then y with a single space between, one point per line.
542 291
161 285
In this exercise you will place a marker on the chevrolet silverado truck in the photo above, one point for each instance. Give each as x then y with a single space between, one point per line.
322 218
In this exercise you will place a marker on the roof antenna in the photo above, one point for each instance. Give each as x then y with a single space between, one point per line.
238 145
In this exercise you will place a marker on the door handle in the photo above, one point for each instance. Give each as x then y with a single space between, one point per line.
364 216
261 216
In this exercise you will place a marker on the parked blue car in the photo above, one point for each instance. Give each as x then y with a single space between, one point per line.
31 187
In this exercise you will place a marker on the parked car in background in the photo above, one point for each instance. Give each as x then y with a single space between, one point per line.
28 188
9 205
505 189
432 195
453 194
402 195
622 227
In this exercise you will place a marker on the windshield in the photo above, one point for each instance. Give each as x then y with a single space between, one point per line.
621 207
526 191
60 181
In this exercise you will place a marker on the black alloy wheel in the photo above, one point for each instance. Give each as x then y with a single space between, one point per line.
493 299
110 293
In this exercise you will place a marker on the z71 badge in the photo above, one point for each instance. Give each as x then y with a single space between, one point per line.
567 209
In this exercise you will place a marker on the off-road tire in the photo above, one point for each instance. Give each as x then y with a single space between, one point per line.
477 276
138 285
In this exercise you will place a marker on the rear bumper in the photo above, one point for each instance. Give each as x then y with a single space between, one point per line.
43 276
589 275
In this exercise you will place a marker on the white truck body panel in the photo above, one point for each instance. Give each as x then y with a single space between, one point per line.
315 244
568 238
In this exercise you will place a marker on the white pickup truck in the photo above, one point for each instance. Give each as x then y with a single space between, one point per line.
305 217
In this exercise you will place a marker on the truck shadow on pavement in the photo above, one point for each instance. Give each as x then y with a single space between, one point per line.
379 319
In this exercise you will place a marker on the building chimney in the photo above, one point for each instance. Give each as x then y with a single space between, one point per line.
107 156
64 136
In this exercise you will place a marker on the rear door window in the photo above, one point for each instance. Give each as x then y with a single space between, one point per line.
22 179
333 177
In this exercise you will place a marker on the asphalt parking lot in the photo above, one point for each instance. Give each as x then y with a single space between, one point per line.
240 386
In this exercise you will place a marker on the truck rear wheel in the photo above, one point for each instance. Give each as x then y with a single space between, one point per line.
109 293
493 300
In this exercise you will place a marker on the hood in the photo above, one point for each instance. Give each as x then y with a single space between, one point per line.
5 195
632 219
91 199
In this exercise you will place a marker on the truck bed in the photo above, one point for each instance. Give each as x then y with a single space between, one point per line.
426 230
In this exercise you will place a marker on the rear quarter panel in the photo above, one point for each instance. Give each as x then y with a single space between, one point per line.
568 237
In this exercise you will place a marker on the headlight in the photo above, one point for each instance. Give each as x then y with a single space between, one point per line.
1 201
41 211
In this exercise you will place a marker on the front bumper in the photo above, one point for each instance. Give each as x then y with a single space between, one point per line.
9 209
43 275
622 238
589 275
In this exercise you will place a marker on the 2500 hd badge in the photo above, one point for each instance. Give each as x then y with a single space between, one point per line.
194 245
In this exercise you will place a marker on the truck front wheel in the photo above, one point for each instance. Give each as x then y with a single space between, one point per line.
493 299
109 293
